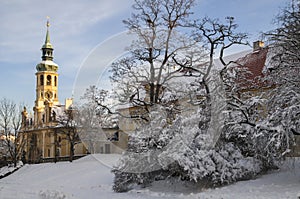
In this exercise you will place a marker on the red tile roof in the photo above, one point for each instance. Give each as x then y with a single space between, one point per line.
254 63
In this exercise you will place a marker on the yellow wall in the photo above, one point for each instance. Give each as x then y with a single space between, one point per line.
44 146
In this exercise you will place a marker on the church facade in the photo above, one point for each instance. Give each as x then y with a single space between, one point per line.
43 135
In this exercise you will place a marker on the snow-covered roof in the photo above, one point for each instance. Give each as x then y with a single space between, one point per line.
59 110
217 65
233 57
48 62
256 63
124 106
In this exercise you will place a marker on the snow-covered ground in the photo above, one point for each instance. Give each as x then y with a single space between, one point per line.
90 177
9 169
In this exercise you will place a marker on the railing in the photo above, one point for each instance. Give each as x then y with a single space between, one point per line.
57 159
62 158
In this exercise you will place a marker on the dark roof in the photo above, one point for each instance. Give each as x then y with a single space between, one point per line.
254 63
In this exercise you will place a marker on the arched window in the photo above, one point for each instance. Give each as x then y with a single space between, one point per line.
55 81
48 80
42 80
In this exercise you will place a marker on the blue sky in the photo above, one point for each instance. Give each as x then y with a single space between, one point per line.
78 27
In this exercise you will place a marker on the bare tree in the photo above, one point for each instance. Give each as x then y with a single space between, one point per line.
285 40
10 122
91 118
91 114
68 127
161 39
218 37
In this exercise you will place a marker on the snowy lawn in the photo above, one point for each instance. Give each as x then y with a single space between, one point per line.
90 177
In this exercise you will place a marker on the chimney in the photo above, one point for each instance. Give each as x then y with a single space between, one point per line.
257 45
69 102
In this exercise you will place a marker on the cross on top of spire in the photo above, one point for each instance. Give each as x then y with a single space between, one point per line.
48 24
47 40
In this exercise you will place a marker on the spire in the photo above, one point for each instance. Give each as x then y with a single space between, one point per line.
47 63
47 40
47 48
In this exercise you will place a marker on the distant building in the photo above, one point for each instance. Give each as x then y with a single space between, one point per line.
41 135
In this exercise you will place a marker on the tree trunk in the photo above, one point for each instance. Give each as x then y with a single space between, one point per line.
71 151
157 93
15 157
152 92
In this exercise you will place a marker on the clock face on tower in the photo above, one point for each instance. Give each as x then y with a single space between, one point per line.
48 95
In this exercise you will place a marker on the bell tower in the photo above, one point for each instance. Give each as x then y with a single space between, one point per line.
46 84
